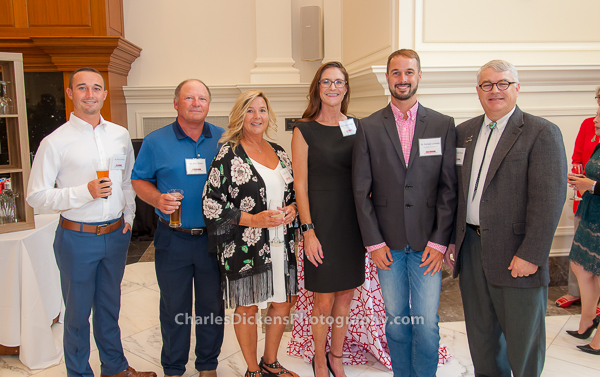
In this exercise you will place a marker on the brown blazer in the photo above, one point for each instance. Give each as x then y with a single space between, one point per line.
399 205
522 198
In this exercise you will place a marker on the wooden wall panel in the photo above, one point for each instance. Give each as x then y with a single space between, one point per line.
45 13
115 17
26 18
7 13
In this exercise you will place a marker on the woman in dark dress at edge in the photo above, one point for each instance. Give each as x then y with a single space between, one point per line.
585 251
334 256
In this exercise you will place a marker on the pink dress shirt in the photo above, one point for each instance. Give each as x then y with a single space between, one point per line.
406 133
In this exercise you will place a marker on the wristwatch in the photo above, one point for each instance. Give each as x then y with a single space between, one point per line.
306 227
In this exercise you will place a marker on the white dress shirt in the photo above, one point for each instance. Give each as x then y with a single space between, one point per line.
484 133
65 158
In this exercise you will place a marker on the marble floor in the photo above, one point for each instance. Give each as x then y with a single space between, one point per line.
141 340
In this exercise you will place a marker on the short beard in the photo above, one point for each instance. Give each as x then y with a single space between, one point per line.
404 97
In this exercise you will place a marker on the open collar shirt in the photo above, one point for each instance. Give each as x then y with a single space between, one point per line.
162 161
63 167
406 133
406 128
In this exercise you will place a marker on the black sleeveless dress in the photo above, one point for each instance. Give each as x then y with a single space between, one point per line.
332 210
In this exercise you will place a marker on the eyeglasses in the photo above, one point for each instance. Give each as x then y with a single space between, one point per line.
327 83
597 98
501 85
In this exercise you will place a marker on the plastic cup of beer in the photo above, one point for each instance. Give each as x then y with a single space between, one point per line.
176 216
101 166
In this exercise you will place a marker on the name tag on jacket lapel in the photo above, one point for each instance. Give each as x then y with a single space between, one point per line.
460 156
430 147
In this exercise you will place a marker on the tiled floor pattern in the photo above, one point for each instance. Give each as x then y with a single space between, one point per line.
141 341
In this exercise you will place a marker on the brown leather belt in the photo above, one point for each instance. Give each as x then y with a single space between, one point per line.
87 228
475 228
193 232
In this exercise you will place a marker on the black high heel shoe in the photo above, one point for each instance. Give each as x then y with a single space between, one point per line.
587 332
328 364
587 348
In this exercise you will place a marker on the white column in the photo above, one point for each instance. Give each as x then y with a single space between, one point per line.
406 24
332 30
274 62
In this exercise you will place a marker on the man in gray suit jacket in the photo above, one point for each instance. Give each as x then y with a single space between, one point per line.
512 182
404 183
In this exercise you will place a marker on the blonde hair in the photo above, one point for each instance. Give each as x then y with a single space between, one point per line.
235 129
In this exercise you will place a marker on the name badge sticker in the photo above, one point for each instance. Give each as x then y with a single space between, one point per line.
348 127
195 166
430 147
118 162
287 176
460 156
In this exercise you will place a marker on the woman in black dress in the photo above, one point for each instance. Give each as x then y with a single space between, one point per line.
334 262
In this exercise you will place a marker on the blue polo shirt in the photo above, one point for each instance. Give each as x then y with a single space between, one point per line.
161 160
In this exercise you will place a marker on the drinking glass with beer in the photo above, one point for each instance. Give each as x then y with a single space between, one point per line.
101 166
176 216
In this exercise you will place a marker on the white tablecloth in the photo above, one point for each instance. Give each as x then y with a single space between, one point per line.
30 294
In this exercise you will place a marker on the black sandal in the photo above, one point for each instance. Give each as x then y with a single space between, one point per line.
275 365
256 373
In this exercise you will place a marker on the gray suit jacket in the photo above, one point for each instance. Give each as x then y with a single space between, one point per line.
522 198
399 205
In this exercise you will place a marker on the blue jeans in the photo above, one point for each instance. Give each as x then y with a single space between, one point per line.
411 304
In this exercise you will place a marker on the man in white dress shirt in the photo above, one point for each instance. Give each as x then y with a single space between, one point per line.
512 185
95 225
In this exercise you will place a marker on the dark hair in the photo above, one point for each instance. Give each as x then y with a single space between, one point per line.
405 52
181 84
86 69
314 97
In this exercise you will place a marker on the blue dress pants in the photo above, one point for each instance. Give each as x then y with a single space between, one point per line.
91 269
184 267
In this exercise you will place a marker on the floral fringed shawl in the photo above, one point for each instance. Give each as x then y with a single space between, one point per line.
244 254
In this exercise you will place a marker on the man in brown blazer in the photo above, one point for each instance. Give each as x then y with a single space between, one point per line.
404 183
512 182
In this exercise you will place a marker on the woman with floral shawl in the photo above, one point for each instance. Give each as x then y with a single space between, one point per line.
247 172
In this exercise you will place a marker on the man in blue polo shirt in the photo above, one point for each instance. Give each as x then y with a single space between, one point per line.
176 157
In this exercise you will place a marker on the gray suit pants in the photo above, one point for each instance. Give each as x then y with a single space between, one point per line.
505 326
